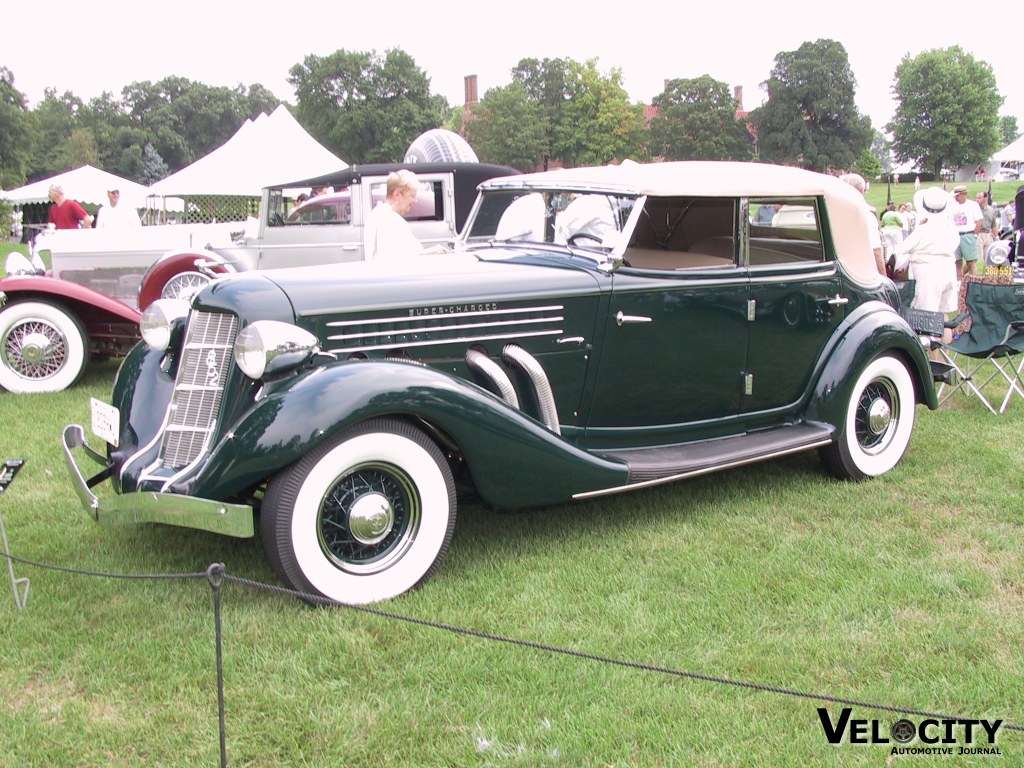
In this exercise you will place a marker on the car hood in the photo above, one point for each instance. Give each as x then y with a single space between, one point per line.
430 282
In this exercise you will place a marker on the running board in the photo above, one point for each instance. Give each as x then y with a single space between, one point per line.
654 466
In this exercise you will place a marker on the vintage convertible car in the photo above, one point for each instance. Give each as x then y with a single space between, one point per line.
601 330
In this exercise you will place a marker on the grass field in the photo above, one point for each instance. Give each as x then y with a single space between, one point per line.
905 591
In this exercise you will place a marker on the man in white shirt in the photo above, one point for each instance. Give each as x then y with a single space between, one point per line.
967 219
388 235
115 215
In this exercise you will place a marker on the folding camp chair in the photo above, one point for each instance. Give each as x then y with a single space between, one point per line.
991 332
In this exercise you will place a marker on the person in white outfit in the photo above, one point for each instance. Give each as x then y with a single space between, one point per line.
929 253
116 214
388 235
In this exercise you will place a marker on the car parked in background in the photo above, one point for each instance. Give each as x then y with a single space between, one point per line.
601 330
1006 173
99 278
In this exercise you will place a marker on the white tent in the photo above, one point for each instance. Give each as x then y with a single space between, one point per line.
268 150
86 185
1011 153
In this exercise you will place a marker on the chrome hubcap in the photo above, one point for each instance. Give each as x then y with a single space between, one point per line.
371 519
35 348
879 416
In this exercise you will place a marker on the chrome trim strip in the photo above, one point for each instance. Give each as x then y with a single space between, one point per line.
441 342
200 455
407 318
157 436
698 472
443 328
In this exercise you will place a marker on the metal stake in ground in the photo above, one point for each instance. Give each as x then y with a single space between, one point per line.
11 468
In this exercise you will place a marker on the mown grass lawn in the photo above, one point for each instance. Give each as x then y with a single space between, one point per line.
906 591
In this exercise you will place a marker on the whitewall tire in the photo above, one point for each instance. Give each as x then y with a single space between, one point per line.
43 348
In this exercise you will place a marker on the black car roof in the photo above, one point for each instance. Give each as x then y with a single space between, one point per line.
467 177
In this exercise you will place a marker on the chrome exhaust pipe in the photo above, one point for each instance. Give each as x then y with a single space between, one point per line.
490 370
515 355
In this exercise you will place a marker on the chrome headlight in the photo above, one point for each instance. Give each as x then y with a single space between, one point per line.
159 319
268 346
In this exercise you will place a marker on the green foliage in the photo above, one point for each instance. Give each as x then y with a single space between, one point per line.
1008 130
810 118
586 115
15 132
867 165
509 128
947 110
696 120
365 107
153 166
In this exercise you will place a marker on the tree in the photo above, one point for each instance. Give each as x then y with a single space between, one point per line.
589 118
365 107
696 120
947 110
509 128
58 145
868 165
810 118
153 166
1008 130
15 133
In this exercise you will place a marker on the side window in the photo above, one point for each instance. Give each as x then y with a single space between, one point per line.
684 233
784 231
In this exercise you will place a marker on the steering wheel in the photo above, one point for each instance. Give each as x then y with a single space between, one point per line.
573 239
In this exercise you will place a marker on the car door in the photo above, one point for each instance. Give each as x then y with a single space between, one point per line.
673 353
797 301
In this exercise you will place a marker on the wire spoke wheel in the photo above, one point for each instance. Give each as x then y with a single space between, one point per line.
363 517
42 348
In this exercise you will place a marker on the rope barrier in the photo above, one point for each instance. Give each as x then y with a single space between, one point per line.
216 576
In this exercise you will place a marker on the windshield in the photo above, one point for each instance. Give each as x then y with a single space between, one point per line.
584 219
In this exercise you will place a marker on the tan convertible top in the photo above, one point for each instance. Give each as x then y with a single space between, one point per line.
847 211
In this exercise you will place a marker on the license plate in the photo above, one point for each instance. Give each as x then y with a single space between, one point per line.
106 421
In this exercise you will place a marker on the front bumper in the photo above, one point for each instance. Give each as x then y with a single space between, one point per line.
151 506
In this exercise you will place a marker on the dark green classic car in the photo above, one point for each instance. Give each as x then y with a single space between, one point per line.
599 330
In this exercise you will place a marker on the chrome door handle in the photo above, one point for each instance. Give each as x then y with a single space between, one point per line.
621 319
838 300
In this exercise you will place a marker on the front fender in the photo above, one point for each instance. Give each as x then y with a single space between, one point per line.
514 460
68 293
176 262
870 330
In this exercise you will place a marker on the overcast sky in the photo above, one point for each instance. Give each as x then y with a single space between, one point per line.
105 45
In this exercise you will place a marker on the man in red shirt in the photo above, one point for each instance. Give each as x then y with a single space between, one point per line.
67 214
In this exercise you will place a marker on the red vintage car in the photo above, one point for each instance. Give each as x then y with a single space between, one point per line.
50 328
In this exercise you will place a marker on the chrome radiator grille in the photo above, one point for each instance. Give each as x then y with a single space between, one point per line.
202 371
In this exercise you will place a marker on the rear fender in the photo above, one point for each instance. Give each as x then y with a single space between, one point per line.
871 330
514 460
175 262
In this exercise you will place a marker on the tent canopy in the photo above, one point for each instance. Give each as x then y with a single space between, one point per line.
86 185
1011 153
262 152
